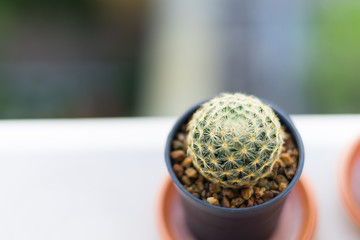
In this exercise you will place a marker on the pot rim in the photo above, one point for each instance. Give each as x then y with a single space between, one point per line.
285 121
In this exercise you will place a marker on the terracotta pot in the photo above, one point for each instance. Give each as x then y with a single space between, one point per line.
348 181
207 221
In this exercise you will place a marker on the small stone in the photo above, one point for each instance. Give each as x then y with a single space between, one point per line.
213 201
263 183
177 144
183 128
281 178
177 155
181 137
191 173
259 192
178 170
226 202
295 153
200 185
250 203
289 144
215 195
259 201
275 192
236 202
285 157
228 192
186 180
281 163
281 171
187 162
196 195
273 185
185 144
267 196
214 188
190 188
246 193
203 194
282 186
289 173
274 171
243 206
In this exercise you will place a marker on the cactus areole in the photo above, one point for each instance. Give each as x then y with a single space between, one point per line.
234 140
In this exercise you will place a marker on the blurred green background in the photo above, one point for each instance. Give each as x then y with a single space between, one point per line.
94 58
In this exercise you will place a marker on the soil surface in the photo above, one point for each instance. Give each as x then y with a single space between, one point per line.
265 189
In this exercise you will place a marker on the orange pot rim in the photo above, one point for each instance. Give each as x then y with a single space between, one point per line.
308 200
345 166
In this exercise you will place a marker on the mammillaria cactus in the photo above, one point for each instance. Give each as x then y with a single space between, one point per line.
234 140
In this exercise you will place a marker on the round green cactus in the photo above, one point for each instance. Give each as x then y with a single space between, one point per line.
234 140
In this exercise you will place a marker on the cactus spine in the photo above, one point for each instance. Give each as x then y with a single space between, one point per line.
234 140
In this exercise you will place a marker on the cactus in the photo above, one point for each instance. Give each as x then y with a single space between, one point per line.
234 140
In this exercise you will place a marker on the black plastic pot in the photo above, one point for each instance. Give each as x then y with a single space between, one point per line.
207 221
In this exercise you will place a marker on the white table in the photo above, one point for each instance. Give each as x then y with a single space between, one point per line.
99 178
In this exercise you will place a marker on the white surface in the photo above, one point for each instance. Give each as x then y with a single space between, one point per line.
99 178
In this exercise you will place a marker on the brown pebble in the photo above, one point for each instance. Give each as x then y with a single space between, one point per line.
196 195
191 173
215 195
200 185
181 137
282 186
203 194
236 202
185 180
250 203
213 201
281 178
267 196
226 202
289 144
275 170
281 171
289 173
263 183
259 201
243 206
177 144
190 188
187 162
177 155
228 192
295 153
259 192
281 163
178 170
275 192
183 128
246 193
214 188
273 185
285 157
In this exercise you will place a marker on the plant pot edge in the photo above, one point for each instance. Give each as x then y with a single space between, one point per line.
221 211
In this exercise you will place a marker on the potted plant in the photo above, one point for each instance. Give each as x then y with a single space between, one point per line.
228 160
